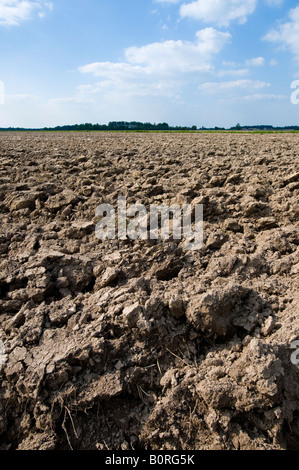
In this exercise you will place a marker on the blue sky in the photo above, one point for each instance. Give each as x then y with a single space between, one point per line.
185 62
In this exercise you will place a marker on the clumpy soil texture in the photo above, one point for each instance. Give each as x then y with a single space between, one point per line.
141 344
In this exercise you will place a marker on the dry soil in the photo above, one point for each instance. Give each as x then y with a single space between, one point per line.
143 344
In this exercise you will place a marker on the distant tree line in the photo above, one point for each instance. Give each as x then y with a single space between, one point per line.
147 126
121 126
238 127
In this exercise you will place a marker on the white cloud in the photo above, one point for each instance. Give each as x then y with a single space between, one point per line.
73 99
236 72
22 97
244 84
263 96
121 80
112 70
180 56
13 12
116 91
256 61
161 60
253 97
161 69
220 12
287 34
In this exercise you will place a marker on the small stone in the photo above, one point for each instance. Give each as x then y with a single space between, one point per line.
291 178
72 309
119 365
83 226
125 446
109 276
216 182
266 223
144 325
23 202
154 307
17 320
19 354
62 200
14 371
132 314
268 326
